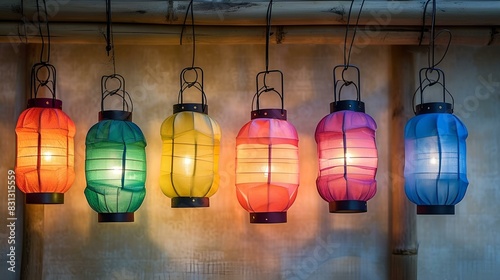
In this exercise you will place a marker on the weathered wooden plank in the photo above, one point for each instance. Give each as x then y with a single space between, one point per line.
251 13
153 34
403 219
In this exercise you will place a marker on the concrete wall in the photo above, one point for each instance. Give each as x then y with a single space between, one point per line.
219 242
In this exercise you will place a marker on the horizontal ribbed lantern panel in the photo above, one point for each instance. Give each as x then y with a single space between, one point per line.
435 159
347 155
45 151
190 155
115 167
267 167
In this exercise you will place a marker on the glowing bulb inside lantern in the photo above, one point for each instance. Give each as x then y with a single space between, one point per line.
188 163
116 170
348 158
265 170
47 156
433 160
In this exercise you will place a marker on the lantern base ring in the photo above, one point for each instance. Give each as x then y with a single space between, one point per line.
115 217
348 206
44 198
436 209
268 217
187 202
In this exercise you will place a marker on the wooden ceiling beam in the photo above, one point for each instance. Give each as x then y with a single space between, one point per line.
241 22
252 13
152 34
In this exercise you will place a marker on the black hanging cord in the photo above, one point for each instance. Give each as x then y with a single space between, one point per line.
22 38
347 54
268 31
46 20
109 35
432 45
189 9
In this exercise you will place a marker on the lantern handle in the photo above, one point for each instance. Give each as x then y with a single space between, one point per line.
118 91
426 80
43 75
197 83
265 88
344 82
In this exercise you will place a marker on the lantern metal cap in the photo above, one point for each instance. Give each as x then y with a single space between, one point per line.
434 107
348 206
45 198
191 107
115 217
268 217
45 103
349 105
116 115
269 114
188 202
436 209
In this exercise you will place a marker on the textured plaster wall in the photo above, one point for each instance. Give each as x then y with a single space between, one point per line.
219 242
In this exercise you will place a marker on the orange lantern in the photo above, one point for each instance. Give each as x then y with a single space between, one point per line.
267 164
45 144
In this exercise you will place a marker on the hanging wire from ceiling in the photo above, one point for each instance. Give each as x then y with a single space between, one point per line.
46 21
188 10
193 76
268 31
43 74
110 47
431 75
347 54
23 36
431 61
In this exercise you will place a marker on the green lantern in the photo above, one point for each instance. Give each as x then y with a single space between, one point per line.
115 162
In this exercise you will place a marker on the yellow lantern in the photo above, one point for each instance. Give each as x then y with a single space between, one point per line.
190 151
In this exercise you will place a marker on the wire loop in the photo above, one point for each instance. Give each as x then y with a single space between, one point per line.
262 79
119 90
339 84
187 83
43 75
427 81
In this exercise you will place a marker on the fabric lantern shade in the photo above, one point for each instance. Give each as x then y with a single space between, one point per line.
115 159
435 159
347 154
267 166
190 156
115 167
347 150
45 152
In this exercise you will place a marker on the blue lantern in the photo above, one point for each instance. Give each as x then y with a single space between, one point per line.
435 154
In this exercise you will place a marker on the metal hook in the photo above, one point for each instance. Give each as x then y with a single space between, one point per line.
119 91
345 82
197 83
425 82
266 88
48 82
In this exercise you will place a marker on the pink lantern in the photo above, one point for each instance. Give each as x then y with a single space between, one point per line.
267 165
347 154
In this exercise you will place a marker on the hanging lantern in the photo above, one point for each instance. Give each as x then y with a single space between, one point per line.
347 152
267 161
115 160
435 154
190 153
45 143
